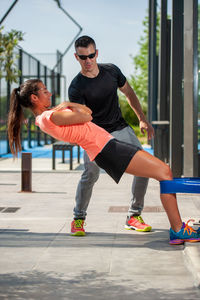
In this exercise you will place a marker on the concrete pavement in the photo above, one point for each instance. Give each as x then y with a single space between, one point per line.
40 260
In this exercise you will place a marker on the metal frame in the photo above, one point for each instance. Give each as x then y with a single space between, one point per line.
73 40
177 90
8 11
190 88
152 67
163 66
161 126
176 99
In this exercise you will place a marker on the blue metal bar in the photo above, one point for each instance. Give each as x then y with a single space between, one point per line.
180 185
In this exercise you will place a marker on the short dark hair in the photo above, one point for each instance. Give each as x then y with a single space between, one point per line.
84 41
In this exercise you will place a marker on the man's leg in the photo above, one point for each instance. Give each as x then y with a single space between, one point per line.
84 190
139 185
83 195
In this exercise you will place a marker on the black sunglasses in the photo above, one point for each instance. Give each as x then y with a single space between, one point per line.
84 57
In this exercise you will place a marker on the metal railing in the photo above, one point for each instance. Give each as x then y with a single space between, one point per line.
30 67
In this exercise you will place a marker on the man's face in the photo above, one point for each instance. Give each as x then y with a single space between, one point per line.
88 64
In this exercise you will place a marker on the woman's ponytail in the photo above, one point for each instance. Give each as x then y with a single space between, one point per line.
15 119
20 98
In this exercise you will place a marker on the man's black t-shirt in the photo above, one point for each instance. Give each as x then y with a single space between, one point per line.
100 95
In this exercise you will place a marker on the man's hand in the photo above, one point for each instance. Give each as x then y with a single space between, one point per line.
79 107
146 127
61 106
74 107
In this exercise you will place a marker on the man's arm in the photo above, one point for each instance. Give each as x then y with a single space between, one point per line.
74 93
135 105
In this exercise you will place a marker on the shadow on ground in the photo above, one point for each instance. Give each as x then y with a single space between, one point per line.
16 238
87 285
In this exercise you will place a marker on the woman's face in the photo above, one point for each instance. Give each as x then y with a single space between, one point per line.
44 96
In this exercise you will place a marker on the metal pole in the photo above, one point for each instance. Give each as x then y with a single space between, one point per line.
7 108
67 49
80 29
162 78
152 65
190 156
26 172
38 130
176 90
8 11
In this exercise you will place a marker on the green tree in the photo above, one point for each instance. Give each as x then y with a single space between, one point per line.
8 42
139 80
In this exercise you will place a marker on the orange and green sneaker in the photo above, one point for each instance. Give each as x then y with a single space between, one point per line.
137 223
186 234
77 228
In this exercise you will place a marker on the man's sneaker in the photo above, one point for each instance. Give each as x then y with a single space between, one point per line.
186 234
77 227
137 223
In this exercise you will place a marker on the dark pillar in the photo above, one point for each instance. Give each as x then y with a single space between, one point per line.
161 126
162 73
26 172
152 65
176 98
7 108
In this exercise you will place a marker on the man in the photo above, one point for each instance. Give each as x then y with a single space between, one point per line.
96 87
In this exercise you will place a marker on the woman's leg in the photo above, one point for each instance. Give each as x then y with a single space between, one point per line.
145 165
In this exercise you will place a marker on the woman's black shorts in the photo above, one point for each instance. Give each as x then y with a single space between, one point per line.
115 157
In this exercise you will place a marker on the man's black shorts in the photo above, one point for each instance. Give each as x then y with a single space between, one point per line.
115 157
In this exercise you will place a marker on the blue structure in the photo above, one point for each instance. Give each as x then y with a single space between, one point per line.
180 185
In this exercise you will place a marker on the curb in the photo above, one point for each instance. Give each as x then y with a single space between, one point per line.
192 260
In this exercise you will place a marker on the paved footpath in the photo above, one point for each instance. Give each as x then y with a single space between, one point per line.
40 260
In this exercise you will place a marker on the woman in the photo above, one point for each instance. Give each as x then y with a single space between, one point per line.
71 122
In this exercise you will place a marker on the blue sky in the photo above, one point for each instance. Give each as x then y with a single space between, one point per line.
116 26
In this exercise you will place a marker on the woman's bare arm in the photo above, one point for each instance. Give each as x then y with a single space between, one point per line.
73 106
62 118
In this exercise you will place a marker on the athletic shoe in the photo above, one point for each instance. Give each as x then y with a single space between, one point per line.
137 223
77 227
186 234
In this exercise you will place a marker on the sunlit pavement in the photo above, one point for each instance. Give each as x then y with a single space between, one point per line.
40 260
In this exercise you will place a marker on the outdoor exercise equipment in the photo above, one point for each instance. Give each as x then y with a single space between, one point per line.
181 185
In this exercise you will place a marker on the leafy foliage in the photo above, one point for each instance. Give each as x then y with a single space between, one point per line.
8 42
139 80
127 112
